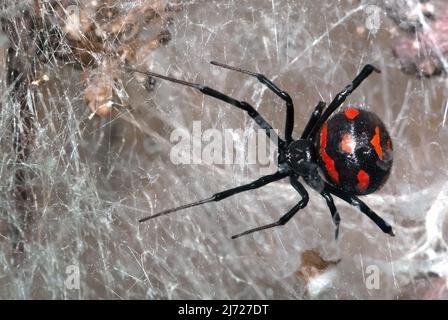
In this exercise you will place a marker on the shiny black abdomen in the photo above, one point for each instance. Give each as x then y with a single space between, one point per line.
354 150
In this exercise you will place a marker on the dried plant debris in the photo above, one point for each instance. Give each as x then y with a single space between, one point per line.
39 37
316 272
407 14
423 51
313 265
99 37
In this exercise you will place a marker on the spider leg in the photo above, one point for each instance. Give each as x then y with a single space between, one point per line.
220 96
334 212
285 218
341 97
355 201
318 184
289 123
314 117
224 194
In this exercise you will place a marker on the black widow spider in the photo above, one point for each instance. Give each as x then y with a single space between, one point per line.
354 151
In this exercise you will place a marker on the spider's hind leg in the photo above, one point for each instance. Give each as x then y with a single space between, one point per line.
318 184
313 119
334 212
355 201
341 97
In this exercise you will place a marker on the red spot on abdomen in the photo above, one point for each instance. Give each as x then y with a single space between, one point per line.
363 180
347 143
329 163
351 113
376 142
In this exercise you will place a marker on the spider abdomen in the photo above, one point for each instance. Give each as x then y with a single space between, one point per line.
355 151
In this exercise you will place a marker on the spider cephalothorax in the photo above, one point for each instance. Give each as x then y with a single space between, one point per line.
353 149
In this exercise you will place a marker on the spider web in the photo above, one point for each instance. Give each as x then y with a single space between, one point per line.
89 179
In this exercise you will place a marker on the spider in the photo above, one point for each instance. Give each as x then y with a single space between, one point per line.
353 150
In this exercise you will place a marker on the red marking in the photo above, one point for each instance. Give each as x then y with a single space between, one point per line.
363 180
351 113
329 163
347 144
376 142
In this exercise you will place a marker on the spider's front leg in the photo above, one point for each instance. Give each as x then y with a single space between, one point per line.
285 218
224 194
270 132
289 122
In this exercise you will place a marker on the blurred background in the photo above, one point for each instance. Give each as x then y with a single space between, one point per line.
85 149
